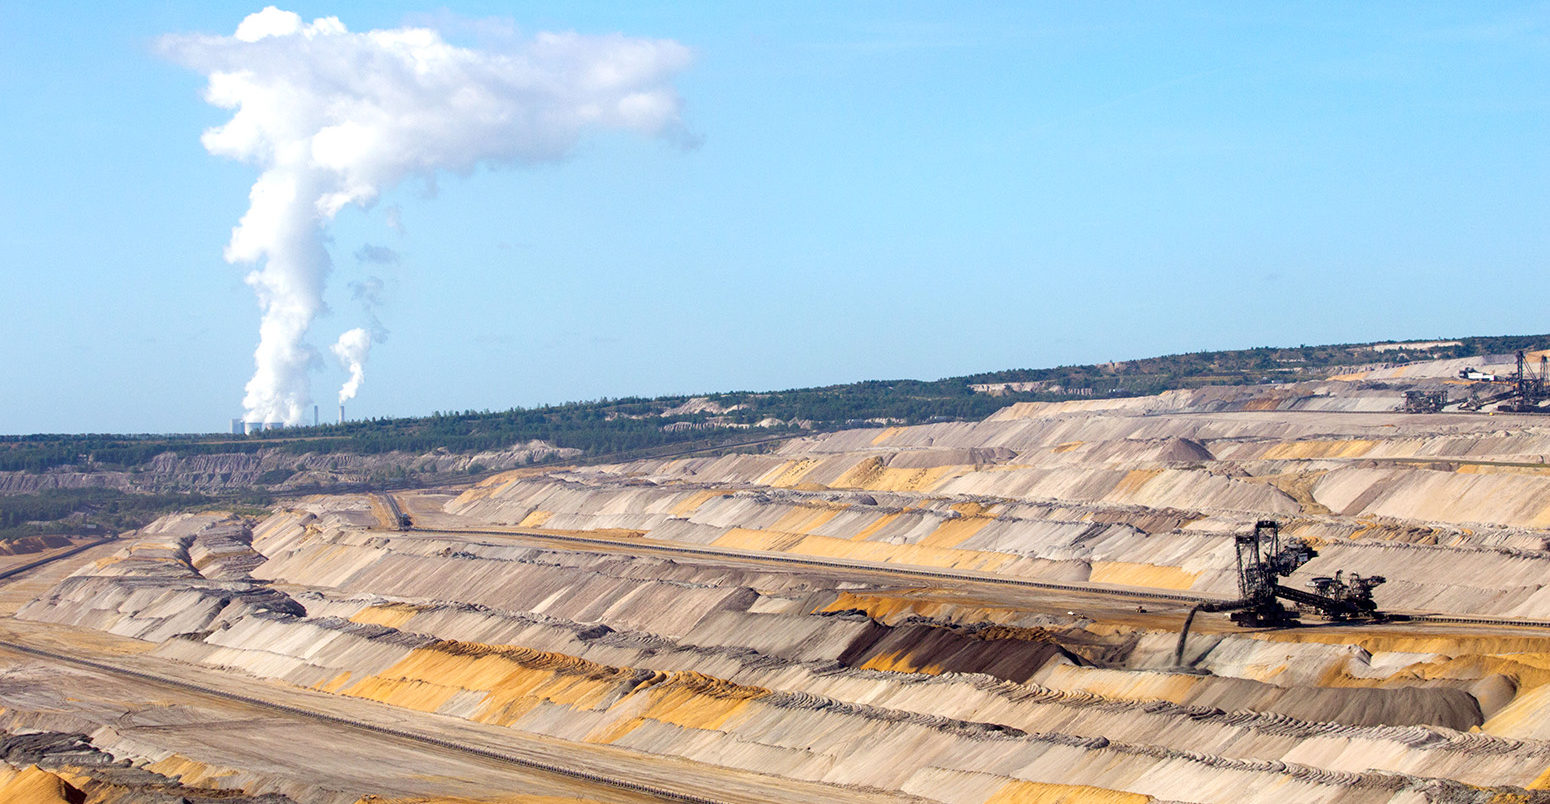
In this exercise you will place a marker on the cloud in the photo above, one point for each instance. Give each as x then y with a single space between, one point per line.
394 217
332 118
368 291
381 255
369 294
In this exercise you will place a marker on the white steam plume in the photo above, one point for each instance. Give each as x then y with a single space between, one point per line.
333 118
352 349
354 346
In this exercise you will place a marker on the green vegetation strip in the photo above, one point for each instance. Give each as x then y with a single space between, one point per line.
621 426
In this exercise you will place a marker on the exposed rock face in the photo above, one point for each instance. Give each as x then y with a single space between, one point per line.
951 690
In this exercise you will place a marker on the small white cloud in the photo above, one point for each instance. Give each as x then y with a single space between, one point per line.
269 22
380 255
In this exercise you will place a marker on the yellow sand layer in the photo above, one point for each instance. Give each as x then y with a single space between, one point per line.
392 615
687 699
872 475
918 554
517 798
336 683
697 701
955 531
33 785
514 680
1528 649
1312 448
408 693
693 502
1501 469
1125 573
1528 671
881 522
787 474
1524 717
1541 782
536 519
805 518
1124 685
188 771
1134 480
1298 486
489 487
380 512
1021 792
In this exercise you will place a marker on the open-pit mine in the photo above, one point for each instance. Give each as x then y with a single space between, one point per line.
965 612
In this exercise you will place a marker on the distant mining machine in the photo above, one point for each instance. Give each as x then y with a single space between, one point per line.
1528 386
1525 388
399 518
1263 559
1425 401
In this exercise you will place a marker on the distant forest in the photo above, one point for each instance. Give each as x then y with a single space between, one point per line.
623 427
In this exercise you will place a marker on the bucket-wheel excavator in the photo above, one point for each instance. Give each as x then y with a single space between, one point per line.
1523 390
1263 559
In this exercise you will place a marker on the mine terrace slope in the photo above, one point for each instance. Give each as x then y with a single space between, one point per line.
977 611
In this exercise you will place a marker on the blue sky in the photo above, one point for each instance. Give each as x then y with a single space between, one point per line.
880 190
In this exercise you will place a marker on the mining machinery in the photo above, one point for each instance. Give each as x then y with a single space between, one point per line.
1525 388
1263 559
1425 401
1261 562
1528 387
400 518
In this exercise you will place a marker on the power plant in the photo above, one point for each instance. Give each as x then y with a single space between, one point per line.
240 426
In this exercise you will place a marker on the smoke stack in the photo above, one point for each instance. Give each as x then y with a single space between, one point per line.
341 414
310 95
314 415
